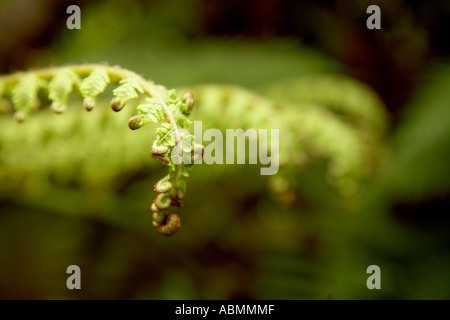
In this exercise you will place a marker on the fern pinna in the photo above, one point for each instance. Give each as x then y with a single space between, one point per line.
161 106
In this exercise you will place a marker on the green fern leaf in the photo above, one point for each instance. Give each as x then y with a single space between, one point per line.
60 88
24 93
128 90
151 111
93 85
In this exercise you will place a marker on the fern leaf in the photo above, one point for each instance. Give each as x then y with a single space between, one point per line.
128 90
93 85
151 111
24 93
60 88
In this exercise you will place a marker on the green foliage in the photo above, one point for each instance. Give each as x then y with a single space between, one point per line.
163 106
419 154
74 188
312 127
348 98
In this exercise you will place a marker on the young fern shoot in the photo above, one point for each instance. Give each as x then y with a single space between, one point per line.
172 143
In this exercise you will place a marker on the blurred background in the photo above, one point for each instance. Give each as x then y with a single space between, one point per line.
239 238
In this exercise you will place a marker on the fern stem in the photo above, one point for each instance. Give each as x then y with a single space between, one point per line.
148 88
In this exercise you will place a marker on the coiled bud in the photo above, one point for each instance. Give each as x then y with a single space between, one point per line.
135 122
163 201
89 103
188 100
116 104
171 226
159 149
154 208
57 108
158 219
163 185
19 116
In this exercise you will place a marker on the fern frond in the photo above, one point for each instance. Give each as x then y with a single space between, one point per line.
307 130
348 98
164 106
311 125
